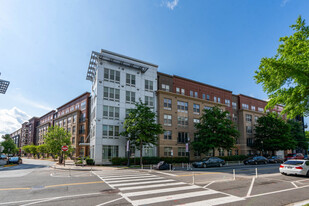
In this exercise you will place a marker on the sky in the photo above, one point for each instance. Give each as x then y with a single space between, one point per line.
45 46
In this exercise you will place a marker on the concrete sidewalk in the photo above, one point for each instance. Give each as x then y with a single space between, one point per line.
84 168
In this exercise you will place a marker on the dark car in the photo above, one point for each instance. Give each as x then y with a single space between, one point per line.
162 166
275 159
294 156
209 162
256 160
15 160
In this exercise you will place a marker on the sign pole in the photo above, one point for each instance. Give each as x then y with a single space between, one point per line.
128 151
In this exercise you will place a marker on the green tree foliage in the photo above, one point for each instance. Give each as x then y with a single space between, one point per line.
141 127
298 135
55 138
33 150
214 131
273 133
26 149
6 137
9 146
43 149
285 77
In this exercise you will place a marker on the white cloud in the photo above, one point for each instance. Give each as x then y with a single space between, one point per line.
11 120
171 4
33 103
284 2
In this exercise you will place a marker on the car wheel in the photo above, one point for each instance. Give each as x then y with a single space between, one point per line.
307 173
276 162
256 163
220 165
204 165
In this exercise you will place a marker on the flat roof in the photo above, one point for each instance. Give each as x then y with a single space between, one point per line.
84 94
252 98
47 114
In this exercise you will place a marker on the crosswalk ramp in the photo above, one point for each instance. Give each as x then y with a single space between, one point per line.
140 188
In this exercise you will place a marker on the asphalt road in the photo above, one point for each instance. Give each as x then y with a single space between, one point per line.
35 183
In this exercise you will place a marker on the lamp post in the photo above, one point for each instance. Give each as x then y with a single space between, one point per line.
262 148
128 152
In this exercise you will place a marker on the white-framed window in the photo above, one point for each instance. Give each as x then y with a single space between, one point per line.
203 96
195 121
221 152
207 108
167 104
128 112
177 90
167 120
181 151
234 117
256 119
130 80
249 129
110 131
183 91
207 97
196 94
83 105
196 108
234 105
110 112
260 109
191 93
111 75
109 152
182 106
148 85
167 151
167 134
165 87
245 106
215 99
219 100
182 121
248 117
253 108
227 102
111 94
130 97
149 101
183 137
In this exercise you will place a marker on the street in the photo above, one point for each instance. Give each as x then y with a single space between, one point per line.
36 183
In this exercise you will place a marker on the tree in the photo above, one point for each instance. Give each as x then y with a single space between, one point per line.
273 133
285 77
215 130
141 127
33 150
26 149
6 137
9 146
43 149
55 138
298 135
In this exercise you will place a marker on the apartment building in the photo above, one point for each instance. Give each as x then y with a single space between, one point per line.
118 82
74 117
45 122
16 136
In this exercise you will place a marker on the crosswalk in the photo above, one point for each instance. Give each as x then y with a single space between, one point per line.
141 188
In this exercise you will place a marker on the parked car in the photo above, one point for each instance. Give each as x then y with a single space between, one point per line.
15 160
306 157
275 159
162 166
256 160
294 156
295 167
209 162
3 157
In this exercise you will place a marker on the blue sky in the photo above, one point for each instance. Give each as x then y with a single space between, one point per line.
45 46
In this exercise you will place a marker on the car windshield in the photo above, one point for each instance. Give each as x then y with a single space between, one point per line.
14 158
205 159
294 162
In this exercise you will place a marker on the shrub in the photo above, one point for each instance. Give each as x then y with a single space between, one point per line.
148 160
89 161
234 157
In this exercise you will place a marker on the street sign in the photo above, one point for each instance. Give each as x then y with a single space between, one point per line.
172 153
187 147
128 145
64 148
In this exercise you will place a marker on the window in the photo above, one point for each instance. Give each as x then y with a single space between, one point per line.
182 106
165 87
219 100
69 120
130 80
227 102
253 108
234 105
191 93
234 117
128 112
245 106
250 142
109 152
249 129
248 118
203 96
64 122
110 131
181 151
236 152
183 137
195 94
183 91
207 108
111 94
221 152
196 108
149 101
148 85
167 151
73 130
183 121
130 97
229 153
215 99
177 90
83 105
168 120
195 121
208 97
110 112
167 134
73 140
256 119
167 104
260 109
111 75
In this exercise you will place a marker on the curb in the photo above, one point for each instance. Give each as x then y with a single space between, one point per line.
299 203
76 169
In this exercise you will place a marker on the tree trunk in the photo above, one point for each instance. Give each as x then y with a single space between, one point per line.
213 152
141 153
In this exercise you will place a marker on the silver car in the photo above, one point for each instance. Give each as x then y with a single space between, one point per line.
295 167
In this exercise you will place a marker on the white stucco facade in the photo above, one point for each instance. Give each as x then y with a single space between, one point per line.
109 74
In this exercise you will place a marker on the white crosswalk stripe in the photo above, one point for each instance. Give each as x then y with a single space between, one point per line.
147 189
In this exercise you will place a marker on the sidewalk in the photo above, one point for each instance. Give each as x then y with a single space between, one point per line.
83 168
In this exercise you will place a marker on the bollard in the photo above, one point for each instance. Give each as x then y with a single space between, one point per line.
193 179
170 167
182 165
234 176
256 173
69 172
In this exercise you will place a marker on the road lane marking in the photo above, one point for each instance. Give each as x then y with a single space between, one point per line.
141 183
294 184
71 184
130 180
5 189
165 173
105 203
151 186
208 184
251 186
216 201
126 178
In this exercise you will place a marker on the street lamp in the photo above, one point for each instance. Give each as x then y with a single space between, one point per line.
3 85
262 147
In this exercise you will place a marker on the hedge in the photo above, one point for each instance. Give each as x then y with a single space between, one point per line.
234 157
